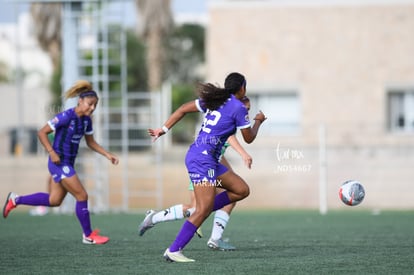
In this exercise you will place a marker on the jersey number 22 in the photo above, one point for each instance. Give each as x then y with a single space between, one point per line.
212 121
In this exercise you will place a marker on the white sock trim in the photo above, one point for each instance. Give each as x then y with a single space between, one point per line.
169 214
220 221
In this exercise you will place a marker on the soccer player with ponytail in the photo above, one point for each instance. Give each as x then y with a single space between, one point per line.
221 216
224 115
69 127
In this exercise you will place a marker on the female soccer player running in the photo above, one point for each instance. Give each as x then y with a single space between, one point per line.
221 216
224 114
69 126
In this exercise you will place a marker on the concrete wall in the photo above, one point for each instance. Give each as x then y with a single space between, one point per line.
30 110
341 57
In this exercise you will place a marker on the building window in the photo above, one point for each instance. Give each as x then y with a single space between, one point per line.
282 110
401 110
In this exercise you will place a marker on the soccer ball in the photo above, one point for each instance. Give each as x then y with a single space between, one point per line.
352 192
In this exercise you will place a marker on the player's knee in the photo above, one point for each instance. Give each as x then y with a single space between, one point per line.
55 202
204 211
240 193
82 196
245 192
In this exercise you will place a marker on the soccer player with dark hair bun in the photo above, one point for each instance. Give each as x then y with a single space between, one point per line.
221 216
69 127
224 115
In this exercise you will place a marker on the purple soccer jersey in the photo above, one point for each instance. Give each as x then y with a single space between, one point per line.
219 125
69 130
202 158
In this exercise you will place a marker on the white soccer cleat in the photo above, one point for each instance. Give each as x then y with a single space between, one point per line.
220 245
146 223
199 232
176 257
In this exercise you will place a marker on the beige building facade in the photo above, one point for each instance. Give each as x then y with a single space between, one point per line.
336 79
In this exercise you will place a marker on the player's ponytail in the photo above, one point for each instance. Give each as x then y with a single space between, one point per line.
213 96
81 87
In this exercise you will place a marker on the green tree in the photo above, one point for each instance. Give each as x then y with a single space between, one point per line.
186 53
185 130
3 72
137 66
55 86
185 57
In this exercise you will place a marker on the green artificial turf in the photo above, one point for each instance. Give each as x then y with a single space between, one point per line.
268 242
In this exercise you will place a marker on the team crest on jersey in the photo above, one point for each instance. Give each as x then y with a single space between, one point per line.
247 118
54 121
211 173
65 169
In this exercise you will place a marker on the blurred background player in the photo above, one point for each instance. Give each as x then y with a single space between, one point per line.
224 115
221 216
42 210
69 127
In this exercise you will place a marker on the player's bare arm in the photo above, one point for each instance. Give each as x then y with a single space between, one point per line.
249 134
189 107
